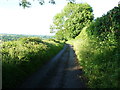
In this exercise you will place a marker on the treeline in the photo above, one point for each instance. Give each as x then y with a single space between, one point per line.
98 50
11 37
23 57
71 20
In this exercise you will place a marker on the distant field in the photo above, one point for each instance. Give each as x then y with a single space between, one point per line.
11 37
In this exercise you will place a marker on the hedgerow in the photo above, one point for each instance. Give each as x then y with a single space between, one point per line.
98 51
23 57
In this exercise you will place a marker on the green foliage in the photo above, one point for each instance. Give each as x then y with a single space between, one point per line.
31 39
71 20
52 2
107 24
25 56
98 51
25 3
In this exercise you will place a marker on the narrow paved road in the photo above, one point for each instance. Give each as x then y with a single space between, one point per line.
61 72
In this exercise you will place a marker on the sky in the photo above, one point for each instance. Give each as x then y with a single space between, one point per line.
37 19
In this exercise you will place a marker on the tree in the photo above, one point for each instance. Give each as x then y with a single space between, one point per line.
26 3
71 20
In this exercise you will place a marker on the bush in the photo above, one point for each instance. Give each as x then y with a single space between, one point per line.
23 57
98 50
99 60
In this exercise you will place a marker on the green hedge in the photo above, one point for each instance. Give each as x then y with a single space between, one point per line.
98 51
25 56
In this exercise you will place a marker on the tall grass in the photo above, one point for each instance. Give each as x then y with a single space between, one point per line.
23 57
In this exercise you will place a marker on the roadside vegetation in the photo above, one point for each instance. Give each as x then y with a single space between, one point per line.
96 42
98 50
23 57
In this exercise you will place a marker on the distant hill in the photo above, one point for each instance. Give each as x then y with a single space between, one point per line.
11 37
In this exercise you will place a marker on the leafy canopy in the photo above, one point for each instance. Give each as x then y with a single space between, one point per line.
26 3
106 25
71 20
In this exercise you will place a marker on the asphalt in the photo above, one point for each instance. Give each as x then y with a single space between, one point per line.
63 71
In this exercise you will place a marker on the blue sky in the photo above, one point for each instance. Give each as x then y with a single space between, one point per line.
37 19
